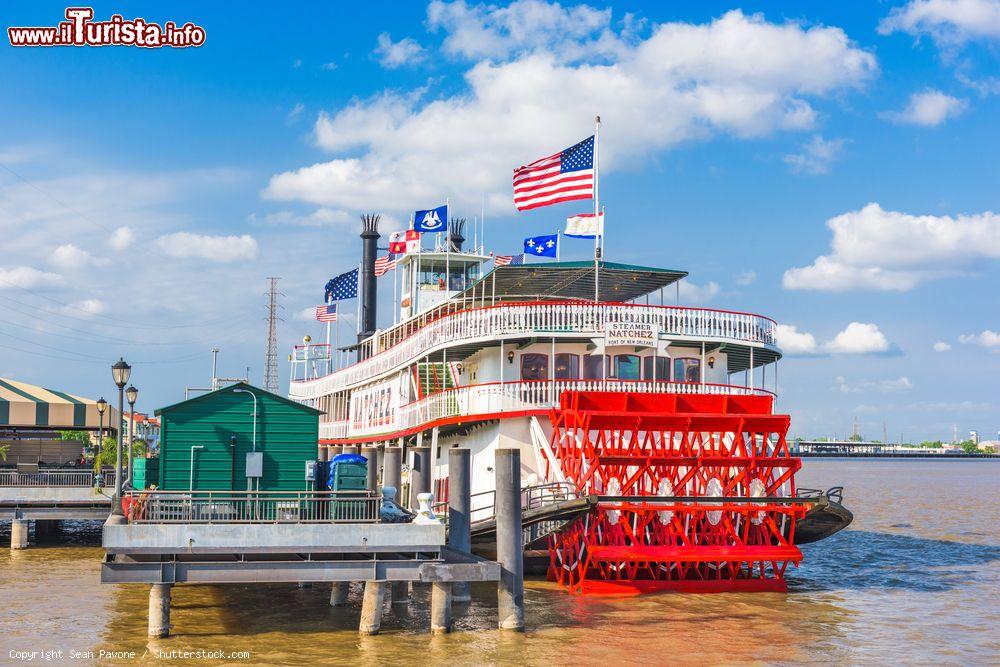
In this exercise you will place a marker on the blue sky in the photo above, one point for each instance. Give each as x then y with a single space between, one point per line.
145 195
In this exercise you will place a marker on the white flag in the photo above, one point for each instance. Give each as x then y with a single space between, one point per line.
585 225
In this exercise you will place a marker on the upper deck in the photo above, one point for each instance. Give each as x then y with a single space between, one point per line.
464 325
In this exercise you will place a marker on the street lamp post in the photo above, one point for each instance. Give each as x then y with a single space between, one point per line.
120 372
131 394
102 407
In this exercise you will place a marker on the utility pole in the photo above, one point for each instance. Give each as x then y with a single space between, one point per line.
271 353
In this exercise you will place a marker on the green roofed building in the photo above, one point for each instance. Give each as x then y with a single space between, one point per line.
209 442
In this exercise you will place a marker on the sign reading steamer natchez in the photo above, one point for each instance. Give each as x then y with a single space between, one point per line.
636 334
375 409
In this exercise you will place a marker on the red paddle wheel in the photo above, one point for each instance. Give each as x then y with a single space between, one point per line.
677 476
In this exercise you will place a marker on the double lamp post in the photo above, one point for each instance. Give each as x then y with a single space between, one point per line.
120 372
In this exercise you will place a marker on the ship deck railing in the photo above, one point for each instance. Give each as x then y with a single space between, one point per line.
405 343
493 399
251 507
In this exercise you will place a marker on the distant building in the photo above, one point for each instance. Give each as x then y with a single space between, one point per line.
146 428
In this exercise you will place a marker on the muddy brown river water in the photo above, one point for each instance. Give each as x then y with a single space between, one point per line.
915 580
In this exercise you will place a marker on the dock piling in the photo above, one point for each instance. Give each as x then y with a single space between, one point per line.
420 475
460 512
18 534
159 610
510 588
371 453
371 608
392 475
441 597
338 594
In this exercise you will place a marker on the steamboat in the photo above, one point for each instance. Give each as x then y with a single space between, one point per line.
652 454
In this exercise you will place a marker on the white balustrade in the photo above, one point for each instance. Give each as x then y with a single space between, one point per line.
480 401
490 323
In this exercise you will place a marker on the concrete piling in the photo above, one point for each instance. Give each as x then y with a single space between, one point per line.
371 608
510 549
392 475
420 475
159 610
392 470
371 453
350 449
441 596
339 593
18 534
460 512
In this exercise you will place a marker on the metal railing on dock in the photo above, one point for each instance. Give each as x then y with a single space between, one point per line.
50 477
251 506
532 497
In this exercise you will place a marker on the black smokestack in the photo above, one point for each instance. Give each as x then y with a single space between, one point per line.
369 247
455 234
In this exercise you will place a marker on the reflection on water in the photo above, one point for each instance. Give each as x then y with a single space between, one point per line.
914 580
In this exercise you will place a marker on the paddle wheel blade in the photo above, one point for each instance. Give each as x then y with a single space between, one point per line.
641 453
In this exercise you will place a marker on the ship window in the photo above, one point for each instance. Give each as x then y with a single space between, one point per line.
534 366
592 367
627 366
687 369
567 366
662 369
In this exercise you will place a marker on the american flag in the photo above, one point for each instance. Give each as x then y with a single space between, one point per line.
344 286
327 312
565 176
385 264
504 260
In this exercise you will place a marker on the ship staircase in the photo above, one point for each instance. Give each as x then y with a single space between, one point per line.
695 493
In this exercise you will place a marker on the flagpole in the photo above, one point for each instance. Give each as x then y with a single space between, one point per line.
329 352
447 246
558 238
597 207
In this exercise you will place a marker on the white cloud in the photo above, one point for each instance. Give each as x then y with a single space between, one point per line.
392 54
524 26
902 383
297 63
122 238
27 277
68 256
693 293
988 339
746 278
212 248
945 21
892 251
794 342
928 108
305 315
321 217
88 307
296 111
329 67
942 346
816 156
737 75
858 338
